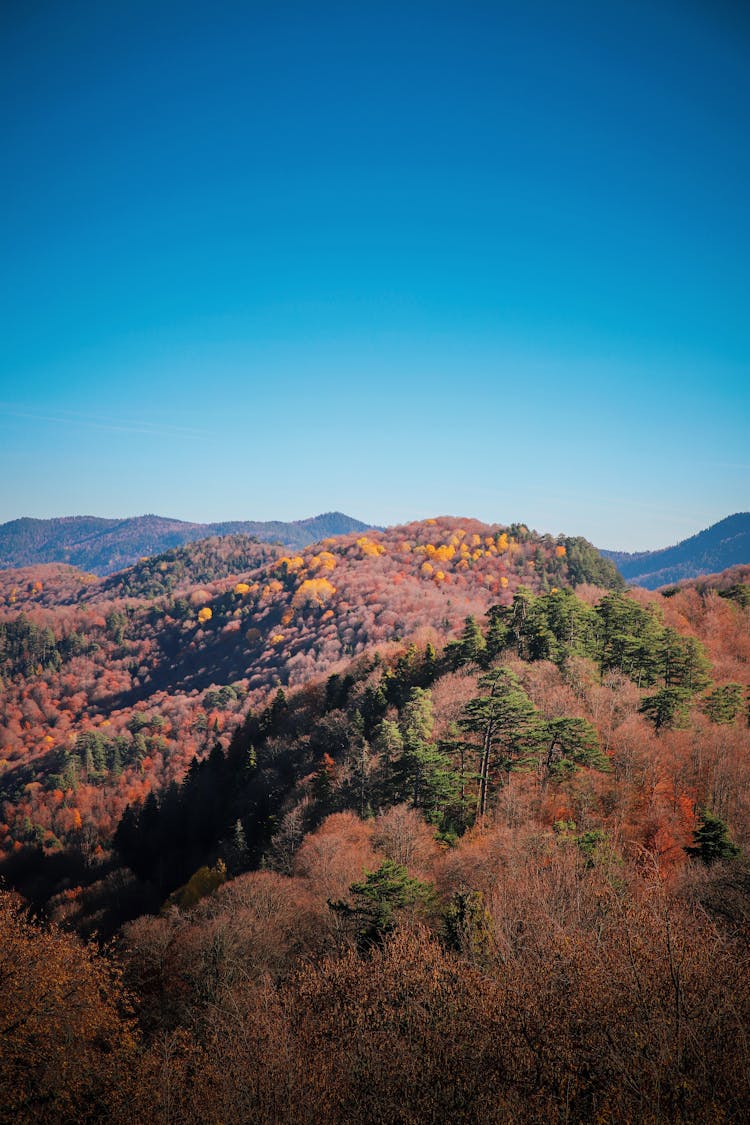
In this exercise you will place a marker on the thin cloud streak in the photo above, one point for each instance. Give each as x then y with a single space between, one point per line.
93 422
671 516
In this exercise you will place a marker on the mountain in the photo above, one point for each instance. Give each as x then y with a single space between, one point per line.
720 546
430 786
103 546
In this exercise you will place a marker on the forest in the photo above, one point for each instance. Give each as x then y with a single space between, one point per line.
107 545
434 824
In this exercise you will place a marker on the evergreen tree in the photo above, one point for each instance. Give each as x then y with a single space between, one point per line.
724 704
573 624
69 772
359 767
712 840
571 742
322 785
430 666
381 899
457 810
388 745
666 708
423 774
508 724
683 662
115 760
496 636
373 707
237 850
585 564
472 642
629 638
523 601
416 732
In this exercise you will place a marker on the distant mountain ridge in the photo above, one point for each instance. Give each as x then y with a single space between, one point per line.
724 544
104 546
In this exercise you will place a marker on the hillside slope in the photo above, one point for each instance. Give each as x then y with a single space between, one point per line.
506 865
104 546
720 546
110 693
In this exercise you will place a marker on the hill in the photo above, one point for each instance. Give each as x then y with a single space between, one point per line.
111 685
104 546
720 546
483 815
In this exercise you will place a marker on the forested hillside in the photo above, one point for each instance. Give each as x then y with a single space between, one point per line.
107 545
433 824
112 685
720 546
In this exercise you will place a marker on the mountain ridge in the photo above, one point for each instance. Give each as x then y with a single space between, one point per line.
104 545
716 548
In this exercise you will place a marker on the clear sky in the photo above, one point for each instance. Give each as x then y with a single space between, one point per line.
264 260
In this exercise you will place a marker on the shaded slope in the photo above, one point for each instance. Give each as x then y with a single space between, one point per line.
108 545
720 546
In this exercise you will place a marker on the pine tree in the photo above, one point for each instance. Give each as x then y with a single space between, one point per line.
238 851
472 642
571 742
388 745
712 840
508 724
381 899
724 704
667 707
496 636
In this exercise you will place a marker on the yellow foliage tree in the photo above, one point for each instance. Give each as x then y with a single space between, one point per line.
290 566
367 547
324 561
202 882
205 614
313 591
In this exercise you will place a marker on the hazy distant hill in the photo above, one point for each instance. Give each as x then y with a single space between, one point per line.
722 545
104 546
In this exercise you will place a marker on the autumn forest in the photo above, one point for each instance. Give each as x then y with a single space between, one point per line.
437 823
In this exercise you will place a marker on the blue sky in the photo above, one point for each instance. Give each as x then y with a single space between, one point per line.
263 260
